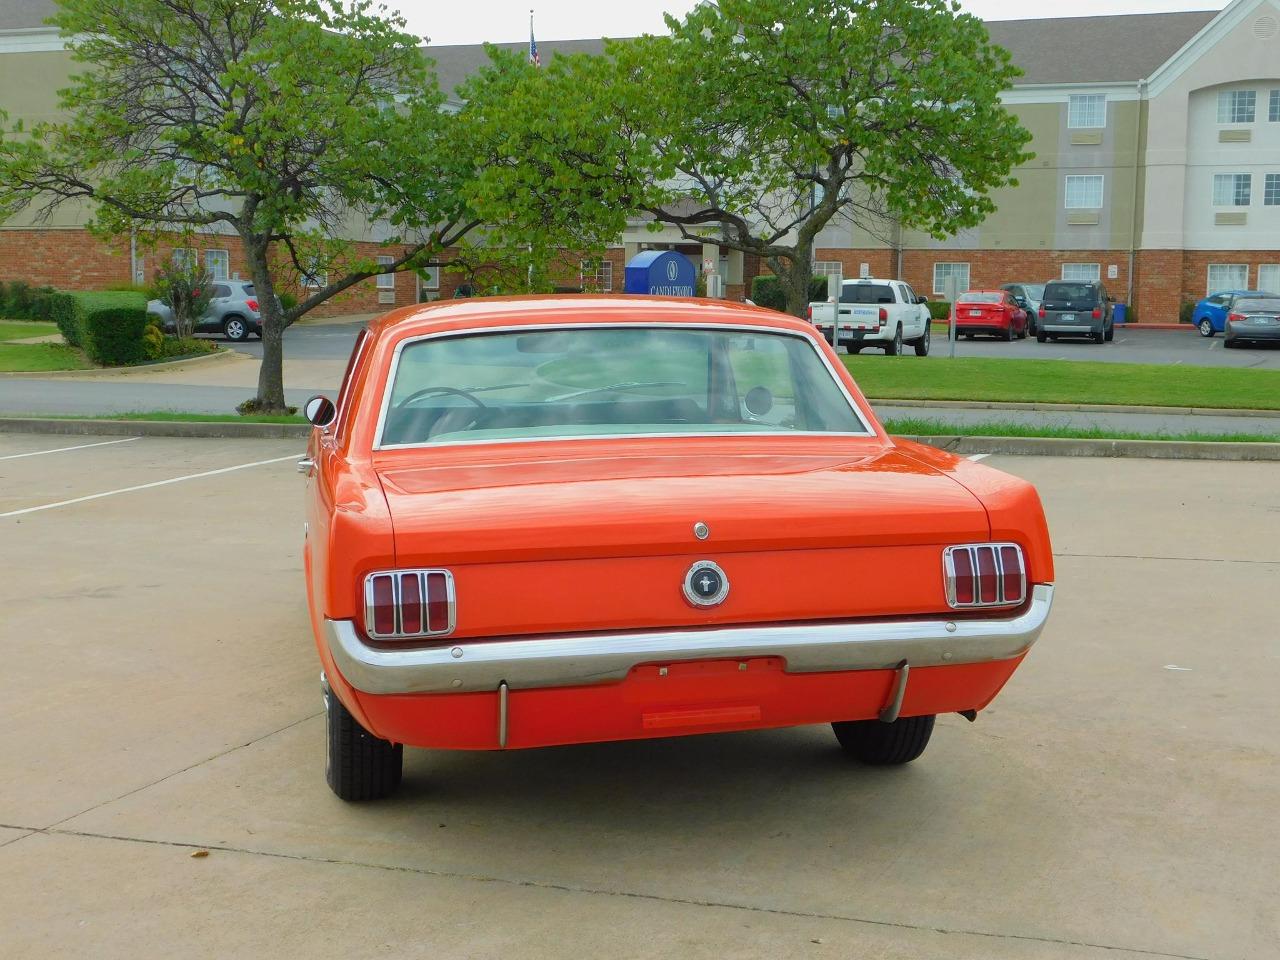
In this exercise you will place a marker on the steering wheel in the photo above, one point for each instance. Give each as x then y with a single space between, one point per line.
451 391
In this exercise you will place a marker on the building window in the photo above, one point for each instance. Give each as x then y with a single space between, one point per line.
1228 276
314 278
1273 107
429 277
943 271
1084 193
218 263
1087 110
597 275
183 258
1082 272
386 281
1271 190
1269 277
1232 189
1237 106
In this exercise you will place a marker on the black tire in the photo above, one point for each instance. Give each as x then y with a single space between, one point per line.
1007 336
1099 337
1022 334
885 744
235 328
894 347
358 765
1205 326
1041 336
1227 343
1111 333
922 342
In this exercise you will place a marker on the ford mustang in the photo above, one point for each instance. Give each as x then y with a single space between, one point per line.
557 520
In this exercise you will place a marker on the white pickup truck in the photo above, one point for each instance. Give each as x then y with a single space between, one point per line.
875 313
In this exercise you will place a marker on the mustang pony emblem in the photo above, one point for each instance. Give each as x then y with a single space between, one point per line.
705 585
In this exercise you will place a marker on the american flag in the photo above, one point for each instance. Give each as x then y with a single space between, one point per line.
533 44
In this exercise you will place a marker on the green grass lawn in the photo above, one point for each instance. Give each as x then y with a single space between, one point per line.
1061 381
39 357
21 329
916 427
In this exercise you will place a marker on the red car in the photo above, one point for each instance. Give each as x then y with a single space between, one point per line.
558 520
989 311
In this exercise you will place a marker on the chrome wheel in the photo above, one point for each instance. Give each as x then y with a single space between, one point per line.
235 329
1206 328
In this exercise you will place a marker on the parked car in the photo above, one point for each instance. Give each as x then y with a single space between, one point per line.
992 312
233 311
876 313
564 520
1027 296
1210 314
1073 308
1252 319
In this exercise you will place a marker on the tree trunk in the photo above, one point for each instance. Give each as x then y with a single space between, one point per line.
794 276
270 398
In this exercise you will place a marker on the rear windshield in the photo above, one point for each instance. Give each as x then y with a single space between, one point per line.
611 381
1033 290
866 293
1257 305
1070 293
980 298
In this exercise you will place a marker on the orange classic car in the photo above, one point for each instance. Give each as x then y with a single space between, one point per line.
557 520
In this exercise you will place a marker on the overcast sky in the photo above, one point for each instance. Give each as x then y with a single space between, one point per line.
475 21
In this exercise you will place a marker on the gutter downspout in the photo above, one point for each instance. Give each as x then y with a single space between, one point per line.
1133 221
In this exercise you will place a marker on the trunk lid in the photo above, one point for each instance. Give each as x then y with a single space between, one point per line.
604 542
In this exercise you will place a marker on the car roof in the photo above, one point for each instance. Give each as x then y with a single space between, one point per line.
985 290
537 310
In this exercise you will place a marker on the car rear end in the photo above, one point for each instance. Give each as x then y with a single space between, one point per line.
1071 309
982 312
1254 319
862 315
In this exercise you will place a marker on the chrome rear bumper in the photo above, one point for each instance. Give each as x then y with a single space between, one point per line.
565 661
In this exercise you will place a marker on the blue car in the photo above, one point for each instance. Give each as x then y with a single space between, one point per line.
1210 314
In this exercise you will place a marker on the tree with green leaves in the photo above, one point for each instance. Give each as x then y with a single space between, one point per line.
292 124
757 123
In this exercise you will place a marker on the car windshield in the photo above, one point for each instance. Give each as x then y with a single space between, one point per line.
866 293
1073 294
611 381
1034 290
1258 305
981 298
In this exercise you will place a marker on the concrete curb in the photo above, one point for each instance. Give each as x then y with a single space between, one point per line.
1015 446
223 354
1075 407
1148 449
230 429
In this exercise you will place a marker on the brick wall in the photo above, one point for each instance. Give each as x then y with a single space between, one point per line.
68 259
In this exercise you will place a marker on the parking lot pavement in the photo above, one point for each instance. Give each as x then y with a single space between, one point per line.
161 698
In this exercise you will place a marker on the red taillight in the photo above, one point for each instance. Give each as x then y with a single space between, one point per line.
884 316
808 312
1041 313
984 575
252 305
381 614
1097 313
409 603
1235 317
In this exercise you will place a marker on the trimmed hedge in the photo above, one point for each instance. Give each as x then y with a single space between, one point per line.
939 309
112 325
64 310
766 291
21 301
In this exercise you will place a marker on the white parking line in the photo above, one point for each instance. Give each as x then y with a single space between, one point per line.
79 446
975 457
147 486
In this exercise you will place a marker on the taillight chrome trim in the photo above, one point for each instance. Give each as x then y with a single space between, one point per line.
996 551
423 580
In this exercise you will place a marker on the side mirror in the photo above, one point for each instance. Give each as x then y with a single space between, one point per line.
922 299
319 410
1021 301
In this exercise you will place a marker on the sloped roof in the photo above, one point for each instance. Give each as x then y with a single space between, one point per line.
1106 49
1127 47
25 14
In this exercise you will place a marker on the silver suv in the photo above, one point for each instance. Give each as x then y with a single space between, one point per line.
233 311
